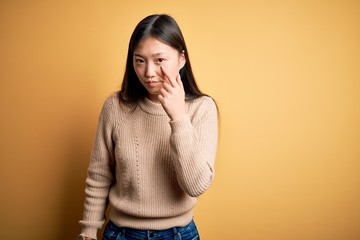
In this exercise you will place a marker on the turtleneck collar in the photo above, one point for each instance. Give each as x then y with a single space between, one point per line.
151 107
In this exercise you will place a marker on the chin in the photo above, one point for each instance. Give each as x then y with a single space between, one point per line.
153 91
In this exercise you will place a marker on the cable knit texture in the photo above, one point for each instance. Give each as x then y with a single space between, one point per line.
149 168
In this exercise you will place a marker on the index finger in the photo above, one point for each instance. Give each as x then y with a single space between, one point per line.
171 80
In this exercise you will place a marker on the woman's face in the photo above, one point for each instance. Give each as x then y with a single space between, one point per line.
149 55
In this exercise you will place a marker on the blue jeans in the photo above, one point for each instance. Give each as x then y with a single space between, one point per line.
188 232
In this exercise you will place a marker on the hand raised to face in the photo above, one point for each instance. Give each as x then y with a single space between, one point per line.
172 95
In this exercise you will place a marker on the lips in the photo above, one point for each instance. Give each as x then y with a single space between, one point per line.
153 83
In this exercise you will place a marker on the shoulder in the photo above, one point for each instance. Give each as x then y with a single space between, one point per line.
203 102
114 101
113 107
201 107
109 101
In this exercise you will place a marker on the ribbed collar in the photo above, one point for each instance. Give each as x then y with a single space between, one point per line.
151 107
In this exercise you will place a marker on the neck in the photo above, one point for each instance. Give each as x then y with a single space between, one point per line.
154 98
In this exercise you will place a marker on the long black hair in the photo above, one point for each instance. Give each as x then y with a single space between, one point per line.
163 28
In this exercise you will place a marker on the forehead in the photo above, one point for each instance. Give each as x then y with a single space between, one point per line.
151 46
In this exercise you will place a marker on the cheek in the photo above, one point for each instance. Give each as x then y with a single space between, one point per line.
172 67
138 70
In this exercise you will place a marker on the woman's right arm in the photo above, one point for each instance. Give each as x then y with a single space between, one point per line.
100 174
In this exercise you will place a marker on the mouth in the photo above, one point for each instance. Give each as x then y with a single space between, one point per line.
153 83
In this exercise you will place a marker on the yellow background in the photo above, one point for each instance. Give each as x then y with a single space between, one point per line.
285 74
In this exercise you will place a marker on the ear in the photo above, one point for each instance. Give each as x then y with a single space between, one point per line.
182 60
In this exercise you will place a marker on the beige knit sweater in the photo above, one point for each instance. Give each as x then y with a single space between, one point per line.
149 168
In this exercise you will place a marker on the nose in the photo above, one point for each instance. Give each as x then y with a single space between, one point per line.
150 70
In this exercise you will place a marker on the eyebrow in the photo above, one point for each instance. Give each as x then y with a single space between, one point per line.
153 55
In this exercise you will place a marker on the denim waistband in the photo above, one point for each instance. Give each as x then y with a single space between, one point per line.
149 234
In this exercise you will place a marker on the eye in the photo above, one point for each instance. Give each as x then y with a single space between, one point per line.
160 60
139 60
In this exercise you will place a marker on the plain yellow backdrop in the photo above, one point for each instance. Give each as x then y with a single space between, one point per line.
285 74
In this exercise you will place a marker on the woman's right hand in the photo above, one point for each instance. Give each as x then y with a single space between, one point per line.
82 237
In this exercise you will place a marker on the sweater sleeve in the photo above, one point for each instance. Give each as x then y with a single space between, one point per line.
194 144
100 175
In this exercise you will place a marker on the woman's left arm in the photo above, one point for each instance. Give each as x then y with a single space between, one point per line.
193 141
194 144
